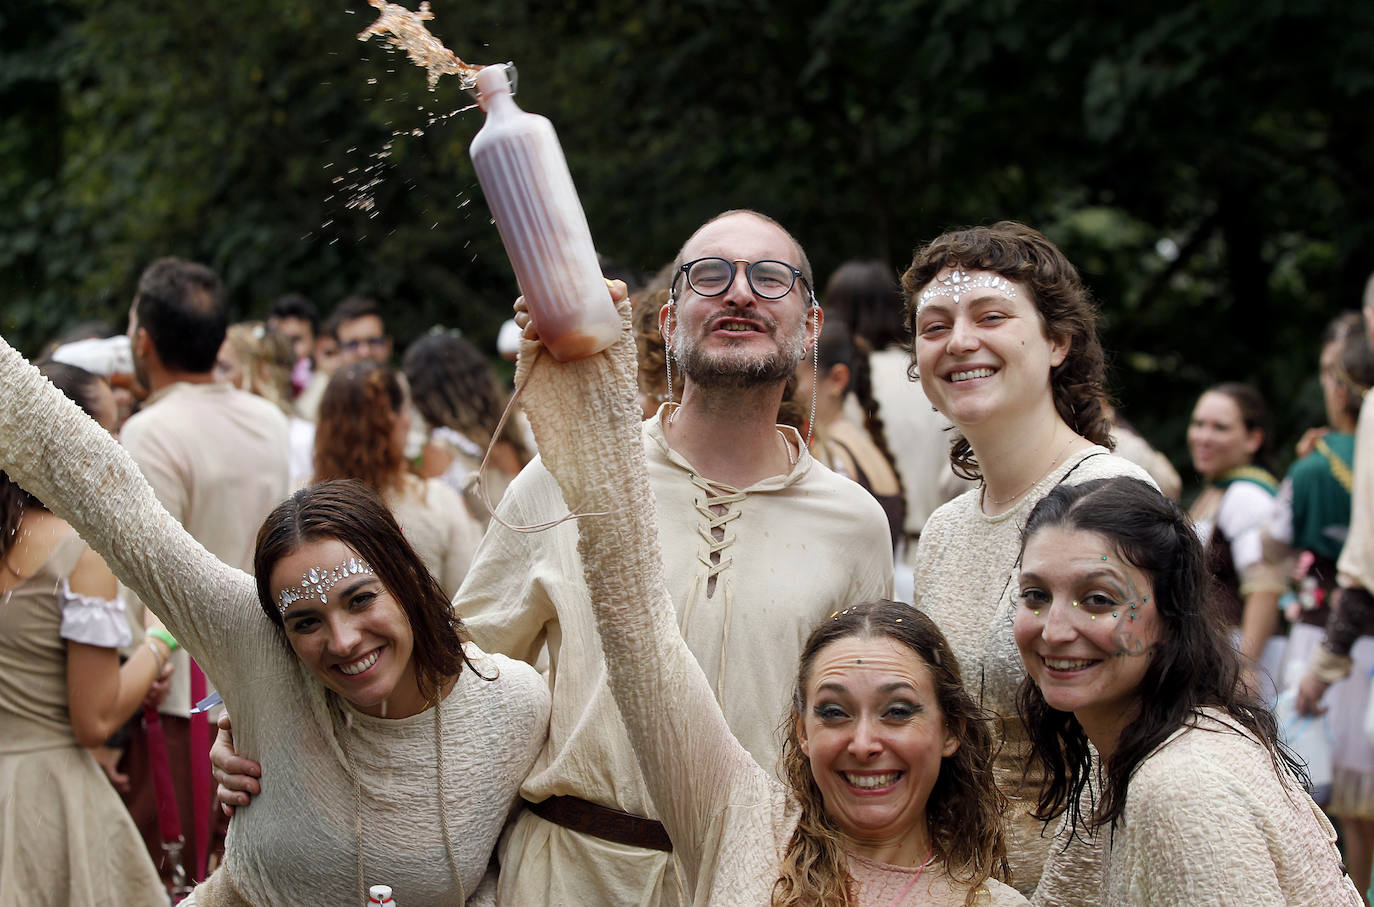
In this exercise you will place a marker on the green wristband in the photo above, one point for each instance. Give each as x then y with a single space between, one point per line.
163 635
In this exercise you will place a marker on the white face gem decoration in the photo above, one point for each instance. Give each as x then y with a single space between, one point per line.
956 283
319 581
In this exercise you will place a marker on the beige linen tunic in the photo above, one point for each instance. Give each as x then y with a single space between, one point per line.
966 582
217 458
729 819
438 526
793 548
1208 821
328 770
1356 565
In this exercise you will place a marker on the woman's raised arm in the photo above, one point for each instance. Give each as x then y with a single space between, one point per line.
587 422
60 455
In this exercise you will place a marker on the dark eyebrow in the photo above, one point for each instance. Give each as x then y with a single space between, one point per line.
352 586
300 612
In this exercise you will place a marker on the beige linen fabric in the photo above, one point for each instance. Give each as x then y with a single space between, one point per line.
438 526
1209 822
217 458
729 819
1356 565
324 763
65 837
793 549
966 581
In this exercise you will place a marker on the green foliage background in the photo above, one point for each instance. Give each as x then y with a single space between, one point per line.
1237 134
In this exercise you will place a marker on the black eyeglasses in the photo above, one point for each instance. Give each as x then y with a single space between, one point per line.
361 342
767 278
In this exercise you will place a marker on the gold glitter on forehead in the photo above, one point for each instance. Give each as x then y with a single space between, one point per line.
956 283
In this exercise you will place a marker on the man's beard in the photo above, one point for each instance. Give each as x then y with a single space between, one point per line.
735 369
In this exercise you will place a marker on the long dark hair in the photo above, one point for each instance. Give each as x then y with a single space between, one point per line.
1192 666
964 811
839 347
80 386
1021 254
352 513
454 386
1254 415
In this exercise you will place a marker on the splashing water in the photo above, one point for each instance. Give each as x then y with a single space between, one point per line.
403 30
408 32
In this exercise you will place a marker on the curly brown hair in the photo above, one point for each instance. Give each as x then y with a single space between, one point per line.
644 308
353 435
964 811
1025 256
454 386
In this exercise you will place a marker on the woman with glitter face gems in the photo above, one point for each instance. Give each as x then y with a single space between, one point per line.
1006 348
1198 799
393 748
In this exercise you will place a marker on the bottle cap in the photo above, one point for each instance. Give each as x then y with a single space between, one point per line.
379 894
498 78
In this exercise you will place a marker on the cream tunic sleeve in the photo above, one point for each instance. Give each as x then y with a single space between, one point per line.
60 455
695 769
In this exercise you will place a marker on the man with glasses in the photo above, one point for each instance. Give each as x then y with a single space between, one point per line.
761 544
361 331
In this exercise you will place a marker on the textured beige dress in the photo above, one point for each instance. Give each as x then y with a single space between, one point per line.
749 578
347 800
965 580
438 526
729 819
1208 822
65 836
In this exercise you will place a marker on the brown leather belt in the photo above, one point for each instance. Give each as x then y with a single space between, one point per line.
603 822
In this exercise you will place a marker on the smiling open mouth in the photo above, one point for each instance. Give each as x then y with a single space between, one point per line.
871 782
362 664
970 374
1068 664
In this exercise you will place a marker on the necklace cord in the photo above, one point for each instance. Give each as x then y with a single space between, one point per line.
1053 463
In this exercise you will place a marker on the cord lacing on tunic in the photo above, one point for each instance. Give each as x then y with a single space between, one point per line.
716 510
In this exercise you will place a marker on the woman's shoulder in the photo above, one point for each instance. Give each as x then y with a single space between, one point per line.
507 693
1099 463
501 675
1244 505
1212 757
1001 894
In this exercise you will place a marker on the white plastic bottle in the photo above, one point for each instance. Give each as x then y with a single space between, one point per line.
525 179
380 894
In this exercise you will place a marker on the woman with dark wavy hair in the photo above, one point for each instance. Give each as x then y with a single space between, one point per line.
361 434
887 794
457 394
1198 800
1006 348
394 748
